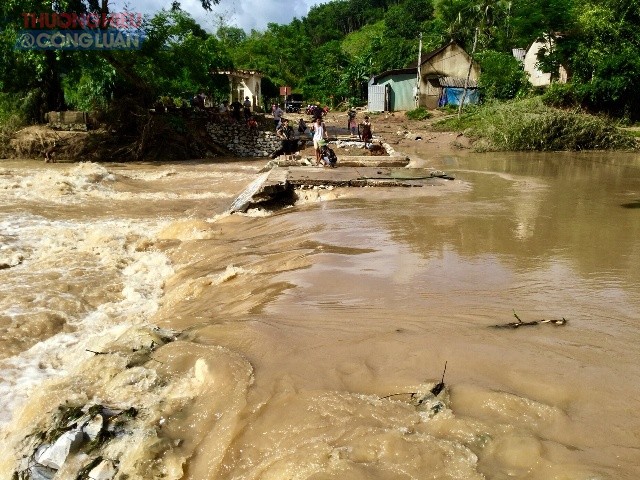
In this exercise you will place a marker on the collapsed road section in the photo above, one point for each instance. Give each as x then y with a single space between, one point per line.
278 185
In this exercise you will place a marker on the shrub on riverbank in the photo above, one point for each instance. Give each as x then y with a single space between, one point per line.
530 125
11 119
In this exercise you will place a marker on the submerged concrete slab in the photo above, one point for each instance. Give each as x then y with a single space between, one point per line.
362 176
373 161
279 183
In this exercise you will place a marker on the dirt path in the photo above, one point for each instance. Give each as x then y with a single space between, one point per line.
415 138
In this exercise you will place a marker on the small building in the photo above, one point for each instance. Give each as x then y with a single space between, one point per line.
443 74
537 77
242 84
393 90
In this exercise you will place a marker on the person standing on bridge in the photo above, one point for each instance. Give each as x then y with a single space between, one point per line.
319 136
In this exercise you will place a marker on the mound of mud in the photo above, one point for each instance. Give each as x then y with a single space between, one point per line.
35 140
155 137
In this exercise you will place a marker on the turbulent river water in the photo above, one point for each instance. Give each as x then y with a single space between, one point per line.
293 326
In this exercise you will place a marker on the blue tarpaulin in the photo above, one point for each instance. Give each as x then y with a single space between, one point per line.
453 96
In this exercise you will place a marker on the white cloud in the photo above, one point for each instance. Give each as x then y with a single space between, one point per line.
245 14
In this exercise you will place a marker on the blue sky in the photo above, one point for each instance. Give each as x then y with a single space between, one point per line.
245 14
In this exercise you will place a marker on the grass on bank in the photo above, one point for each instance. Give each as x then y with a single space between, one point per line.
11 120
419 113
528 124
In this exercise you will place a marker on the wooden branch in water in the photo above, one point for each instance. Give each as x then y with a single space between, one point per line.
439 386
435 391
520 323
396 394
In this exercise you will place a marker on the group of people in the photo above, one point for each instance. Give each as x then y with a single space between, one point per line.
318 131
325 156
236 110
291 144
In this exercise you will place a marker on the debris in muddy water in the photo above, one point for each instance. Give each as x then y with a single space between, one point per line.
440 386
443 175
520 323
74 431
105 470
78 439
146 342
54 455
426 399
94 427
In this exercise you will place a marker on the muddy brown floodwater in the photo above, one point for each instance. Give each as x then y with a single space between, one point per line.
295 324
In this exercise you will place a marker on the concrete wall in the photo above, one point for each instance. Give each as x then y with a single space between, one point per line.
243 141
67 120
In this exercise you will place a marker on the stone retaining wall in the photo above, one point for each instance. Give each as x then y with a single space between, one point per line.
68 120
243 141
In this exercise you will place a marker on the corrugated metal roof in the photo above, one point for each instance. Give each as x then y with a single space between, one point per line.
457 82
519 53
397 71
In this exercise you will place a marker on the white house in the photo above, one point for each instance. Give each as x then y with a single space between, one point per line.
242 84
537 77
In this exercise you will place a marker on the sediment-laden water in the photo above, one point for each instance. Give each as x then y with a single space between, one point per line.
301 334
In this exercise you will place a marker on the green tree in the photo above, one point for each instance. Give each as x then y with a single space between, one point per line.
39 74
231 37
529 19
355 77
178 56
604 56
323 83
502 75
490 17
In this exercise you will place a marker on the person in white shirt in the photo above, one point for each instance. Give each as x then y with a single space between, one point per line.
319 137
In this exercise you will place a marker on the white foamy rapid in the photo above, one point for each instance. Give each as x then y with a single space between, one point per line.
101 252
65 280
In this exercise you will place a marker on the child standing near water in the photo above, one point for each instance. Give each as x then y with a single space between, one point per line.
353 123
366 131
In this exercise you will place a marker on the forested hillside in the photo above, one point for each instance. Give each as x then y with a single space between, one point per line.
330 54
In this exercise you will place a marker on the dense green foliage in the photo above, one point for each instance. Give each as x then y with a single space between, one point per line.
330 54
502 75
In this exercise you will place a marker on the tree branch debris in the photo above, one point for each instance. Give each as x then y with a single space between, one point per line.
520 323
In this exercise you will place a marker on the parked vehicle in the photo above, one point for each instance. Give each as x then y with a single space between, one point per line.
293 103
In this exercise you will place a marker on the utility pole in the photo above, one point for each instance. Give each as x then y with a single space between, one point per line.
466 82
418 76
